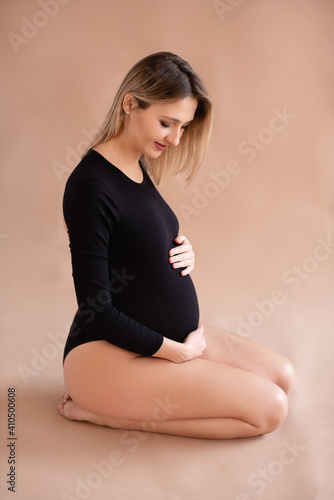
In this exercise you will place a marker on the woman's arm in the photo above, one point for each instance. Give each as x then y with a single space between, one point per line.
91 216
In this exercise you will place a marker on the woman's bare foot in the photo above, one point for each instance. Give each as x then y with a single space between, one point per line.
70 410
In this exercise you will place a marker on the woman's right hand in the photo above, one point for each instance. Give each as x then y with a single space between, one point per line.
194 343
192 347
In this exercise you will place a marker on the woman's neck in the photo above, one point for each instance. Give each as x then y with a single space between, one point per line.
119 152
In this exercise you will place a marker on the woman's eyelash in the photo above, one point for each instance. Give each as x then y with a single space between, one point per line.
166 125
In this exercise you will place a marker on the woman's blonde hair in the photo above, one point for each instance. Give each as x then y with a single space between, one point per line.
159 78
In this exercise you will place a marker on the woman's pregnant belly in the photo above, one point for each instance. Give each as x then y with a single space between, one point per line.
162 300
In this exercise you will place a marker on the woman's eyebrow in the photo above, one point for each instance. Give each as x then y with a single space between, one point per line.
175 119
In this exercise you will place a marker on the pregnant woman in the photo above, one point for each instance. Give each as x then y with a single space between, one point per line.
136 356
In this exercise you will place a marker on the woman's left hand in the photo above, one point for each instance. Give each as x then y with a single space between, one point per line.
182 255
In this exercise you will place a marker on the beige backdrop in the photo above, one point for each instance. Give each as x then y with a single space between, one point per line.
259 216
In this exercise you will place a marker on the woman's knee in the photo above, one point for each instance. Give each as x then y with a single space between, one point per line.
274 411
285 374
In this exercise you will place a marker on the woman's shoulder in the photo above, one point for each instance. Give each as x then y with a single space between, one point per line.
95 178
91 180
91 166
90 191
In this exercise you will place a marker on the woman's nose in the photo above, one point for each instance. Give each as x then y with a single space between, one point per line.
174 137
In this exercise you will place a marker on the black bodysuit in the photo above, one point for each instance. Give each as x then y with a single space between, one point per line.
120 234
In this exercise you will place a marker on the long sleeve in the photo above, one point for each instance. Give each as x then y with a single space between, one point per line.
91 217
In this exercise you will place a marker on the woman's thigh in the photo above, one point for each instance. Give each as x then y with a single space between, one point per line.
109 381
233 350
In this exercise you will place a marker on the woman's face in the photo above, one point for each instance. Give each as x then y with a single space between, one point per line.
159 126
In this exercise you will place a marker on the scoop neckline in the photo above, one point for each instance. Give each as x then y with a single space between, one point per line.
121 171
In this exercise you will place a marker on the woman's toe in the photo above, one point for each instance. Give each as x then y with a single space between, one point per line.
61 407
66 397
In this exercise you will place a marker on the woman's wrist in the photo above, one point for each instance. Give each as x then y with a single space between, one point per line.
171 350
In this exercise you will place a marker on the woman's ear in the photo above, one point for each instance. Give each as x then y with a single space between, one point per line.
129 103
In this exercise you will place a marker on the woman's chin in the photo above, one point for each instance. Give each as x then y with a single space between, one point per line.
153 154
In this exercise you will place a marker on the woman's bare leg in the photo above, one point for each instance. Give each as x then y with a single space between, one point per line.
199 398
233 350
214 428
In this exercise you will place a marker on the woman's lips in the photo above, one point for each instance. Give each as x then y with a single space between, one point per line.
161 147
